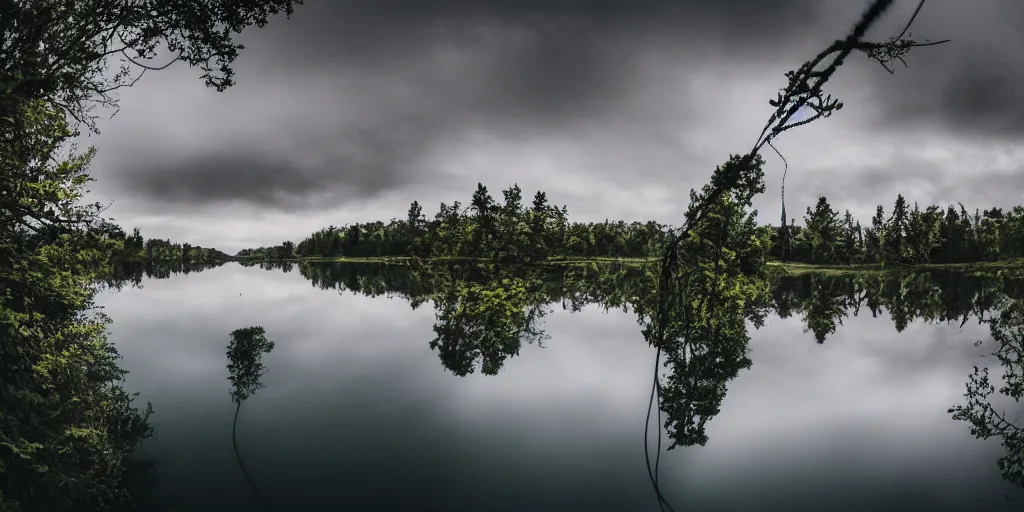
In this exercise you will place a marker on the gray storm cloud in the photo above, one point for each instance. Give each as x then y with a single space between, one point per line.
350 101
972 86
315 173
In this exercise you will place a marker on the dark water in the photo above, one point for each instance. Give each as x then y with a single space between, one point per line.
358 411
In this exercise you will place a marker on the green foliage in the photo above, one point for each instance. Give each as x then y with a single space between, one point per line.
66 423
711 268
909 236
486 322
984 419
514 233
483 312
76 55
134 249
245 361
822 300
510 232
711 281
245 368
278 252
824 232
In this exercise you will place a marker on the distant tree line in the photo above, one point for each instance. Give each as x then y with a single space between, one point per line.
508 230
134 248
127 259
908 235
280 252
511 231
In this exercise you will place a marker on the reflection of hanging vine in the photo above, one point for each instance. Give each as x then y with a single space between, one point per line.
1007 330
245 367
234 444
733 185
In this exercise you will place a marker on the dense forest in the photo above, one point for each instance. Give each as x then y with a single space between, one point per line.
507 231
67 424
907 235
134 248
512 231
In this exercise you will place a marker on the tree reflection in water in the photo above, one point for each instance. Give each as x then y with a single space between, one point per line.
245 369
483 312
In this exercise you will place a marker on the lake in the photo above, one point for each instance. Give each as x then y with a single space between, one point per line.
360 411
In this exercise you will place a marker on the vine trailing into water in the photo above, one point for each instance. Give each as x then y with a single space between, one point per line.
234 444
711 267
245 367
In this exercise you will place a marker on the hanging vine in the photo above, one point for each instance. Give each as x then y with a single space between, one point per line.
710 274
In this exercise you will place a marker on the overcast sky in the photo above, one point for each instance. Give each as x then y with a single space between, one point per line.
352 109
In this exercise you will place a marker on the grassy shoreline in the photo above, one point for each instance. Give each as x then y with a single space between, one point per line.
984 267
788 267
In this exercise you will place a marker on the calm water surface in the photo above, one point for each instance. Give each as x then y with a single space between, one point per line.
358 412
